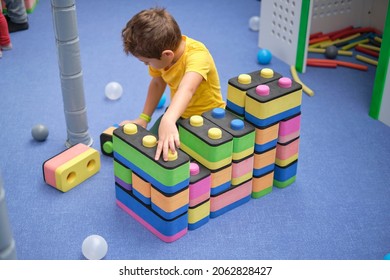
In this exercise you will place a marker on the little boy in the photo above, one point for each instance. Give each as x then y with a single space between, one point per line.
184 64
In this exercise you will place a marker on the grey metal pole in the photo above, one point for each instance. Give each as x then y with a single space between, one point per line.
68 50
7 243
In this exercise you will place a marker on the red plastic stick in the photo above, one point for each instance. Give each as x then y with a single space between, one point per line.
367 51
321 64
339 62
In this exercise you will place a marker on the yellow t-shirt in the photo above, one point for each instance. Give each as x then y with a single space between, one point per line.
196 58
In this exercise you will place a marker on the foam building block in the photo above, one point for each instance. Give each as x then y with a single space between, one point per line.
287 151
166 230
211 146
269 103
159 195
289 128
285 175
243 135
141 189
135 147
238 87
226 157
123 175
106 140
230 199
71 167
266 137
199 196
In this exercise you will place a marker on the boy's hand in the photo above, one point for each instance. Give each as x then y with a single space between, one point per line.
168 138
140 122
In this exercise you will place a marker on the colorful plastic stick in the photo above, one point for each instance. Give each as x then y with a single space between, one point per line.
295 76
367 51
340 63
366 59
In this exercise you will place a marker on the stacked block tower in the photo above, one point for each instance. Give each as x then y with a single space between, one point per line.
226 157
155 193
272 104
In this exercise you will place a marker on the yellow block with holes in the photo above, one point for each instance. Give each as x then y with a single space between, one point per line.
77 170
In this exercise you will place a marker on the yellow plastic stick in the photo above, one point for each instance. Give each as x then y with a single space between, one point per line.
350 46
305 88
366 59
378 39
370 47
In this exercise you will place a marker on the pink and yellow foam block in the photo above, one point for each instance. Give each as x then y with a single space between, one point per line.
71 167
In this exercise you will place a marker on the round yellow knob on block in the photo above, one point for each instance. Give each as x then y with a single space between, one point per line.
215 133
267 73
130 128
149 141
244 79
196 120
172 156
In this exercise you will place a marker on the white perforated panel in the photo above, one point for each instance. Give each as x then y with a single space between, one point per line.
332 15
279 24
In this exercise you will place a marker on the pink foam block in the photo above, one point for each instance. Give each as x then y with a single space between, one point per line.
200 188
199 199
231 196
289 137
164 238
286 151
50 166
242 168
289 126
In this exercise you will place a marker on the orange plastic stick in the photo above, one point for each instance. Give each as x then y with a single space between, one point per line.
318 39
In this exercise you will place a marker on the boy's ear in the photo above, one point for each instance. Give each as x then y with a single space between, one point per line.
167 53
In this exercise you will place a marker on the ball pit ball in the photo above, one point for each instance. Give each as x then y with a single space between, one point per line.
162 101
264 56
113 90
331 52
39 132
387 257
254 23
94 247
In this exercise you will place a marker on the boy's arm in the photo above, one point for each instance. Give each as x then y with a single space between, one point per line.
168 133
155 91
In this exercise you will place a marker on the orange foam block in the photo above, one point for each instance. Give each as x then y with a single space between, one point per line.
71 167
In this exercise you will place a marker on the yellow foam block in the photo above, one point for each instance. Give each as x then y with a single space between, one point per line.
236 95
287 161
77 170
199 212
273 107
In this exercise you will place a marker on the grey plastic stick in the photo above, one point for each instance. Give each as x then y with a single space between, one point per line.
7 243
68 50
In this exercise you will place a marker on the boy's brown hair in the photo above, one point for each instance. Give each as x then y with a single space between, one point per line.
150 32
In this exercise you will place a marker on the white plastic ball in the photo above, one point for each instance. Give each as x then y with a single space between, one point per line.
94 247
39 132
254 23
113 90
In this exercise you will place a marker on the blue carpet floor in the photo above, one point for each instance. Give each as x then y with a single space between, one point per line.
338 208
